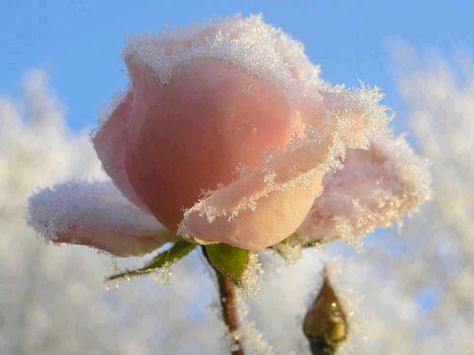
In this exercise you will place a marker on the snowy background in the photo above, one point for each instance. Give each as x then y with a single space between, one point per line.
409 291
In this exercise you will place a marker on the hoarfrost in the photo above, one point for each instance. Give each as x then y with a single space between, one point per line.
374 188
96 206
250 286
249 43
162 275
252 338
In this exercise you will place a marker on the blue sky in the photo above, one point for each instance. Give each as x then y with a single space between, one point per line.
79 42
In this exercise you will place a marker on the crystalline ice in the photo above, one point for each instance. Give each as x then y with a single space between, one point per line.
250 285
94 213
373 189
252 338
249 43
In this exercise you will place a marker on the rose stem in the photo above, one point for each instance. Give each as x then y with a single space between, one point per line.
229 309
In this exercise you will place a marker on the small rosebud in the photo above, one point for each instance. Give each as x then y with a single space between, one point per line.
325 323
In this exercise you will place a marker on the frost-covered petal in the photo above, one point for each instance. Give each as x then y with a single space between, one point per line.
373 189
248 43
263 207
97 215
190 135
109 143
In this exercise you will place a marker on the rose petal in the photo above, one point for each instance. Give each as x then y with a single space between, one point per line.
248 43
190 135
109 143
95 214
374 188
266 206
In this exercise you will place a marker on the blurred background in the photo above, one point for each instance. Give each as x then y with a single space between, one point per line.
408 292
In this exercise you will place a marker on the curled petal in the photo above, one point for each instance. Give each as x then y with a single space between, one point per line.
374 188
109 143
97 215
264 207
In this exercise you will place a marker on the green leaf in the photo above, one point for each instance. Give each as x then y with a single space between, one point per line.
229 260
179 250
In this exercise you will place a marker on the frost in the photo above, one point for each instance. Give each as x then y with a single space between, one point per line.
252 206
90 206
248 43
162 275
252 338
250 286
247 89
242 170
289 250
269 177
374 188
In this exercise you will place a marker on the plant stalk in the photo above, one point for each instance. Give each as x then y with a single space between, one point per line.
229 309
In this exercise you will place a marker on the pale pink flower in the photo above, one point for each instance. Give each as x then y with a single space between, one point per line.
226 134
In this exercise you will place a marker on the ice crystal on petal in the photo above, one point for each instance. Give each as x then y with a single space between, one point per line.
242 170
270 177
252 205
249 43
97 206
374 188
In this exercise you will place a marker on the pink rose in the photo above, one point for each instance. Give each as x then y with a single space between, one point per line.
227 134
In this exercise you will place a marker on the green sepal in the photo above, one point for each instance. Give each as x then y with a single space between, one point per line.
294 239
230 261
179 250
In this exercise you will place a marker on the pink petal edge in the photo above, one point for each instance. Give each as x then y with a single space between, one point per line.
109 143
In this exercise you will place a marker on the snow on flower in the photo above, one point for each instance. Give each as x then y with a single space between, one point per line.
206 101
96 214
374 188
